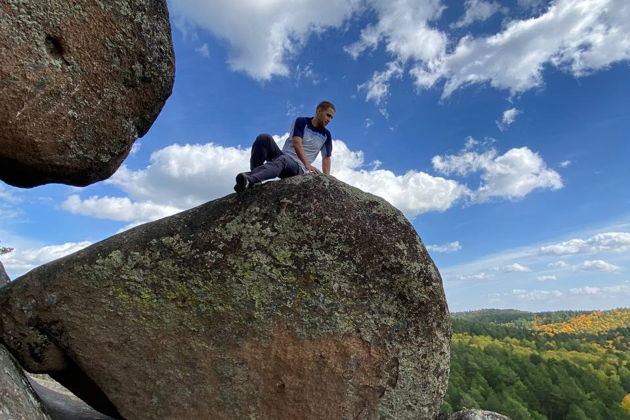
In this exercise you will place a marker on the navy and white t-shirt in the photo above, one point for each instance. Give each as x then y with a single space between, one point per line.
314 140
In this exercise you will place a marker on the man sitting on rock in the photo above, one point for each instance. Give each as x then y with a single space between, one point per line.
308 137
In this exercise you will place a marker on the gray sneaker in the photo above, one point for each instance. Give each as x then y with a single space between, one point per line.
242 182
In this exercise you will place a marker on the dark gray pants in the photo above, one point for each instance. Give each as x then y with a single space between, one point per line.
268 161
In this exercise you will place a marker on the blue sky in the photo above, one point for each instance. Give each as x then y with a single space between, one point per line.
500 129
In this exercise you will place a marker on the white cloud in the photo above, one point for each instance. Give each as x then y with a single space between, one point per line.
413 193
369 122
601 242
536 295
529 4
402 26
509 116
263 35
515 268
378 87
558 264
546 278
180 177
25 259
183 176
445 248
203 50
572 246
117 208
7 195
577 36
477 10
599 265
614 291
478 276
512 175
565 163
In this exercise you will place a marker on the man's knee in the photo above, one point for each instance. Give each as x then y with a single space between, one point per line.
263 139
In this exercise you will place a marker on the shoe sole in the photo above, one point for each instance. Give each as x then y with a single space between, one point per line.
241 183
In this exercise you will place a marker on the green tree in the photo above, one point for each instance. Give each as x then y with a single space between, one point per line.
576 413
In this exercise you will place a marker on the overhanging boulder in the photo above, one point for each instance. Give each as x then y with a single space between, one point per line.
80 81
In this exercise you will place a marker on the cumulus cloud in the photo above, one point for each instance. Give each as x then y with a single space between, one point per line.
601 242
601 291
515 268
565 163
117 208
509 116
536 295
403 27
558 264
577 36
477 10
413 192
445 248
378 87
22 260
512 175
182 176
478 276
263 35
599 265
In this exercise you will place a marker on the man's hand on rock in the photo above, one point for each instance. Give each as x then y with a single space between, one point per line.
313 169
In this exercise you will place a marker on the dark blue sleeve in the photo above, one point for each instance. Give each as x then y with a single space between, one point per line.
298 127
327 148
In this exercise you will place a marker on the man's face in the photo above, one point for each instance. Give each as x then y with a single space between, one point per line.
324 116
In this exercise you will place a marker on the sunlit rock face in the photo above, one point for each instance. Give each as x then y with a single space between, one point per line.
4 277
79 82
17 399
302 298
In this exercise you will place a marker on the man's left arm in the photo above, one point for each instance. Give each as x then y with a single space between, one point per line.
326 165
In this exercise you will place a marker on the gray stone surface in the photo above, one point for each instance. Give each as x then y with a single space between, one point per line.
302 298
60 403
80 81
474 415
4 277
17 399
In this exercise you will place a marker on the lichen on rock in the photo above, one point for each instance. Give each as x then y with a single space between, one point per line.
303 298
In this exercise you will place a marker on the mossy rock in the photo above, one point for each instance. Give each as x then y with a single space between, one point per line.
302 298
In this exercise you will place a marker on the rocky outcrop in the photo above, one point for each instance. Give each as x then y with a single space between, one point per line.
80 82
303 298
473 415
4 278
17 399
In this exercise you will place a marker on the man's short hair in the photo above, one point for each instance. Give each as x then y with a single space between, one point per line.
325 105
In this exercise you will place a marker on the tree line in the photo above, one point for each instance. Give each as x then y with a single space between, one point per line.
505 362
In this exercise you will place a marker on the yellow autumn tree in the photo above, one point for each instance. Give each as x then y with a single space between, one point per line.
625 403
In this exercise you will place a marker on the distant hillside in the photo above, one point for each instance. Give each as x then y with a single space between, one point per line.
551 365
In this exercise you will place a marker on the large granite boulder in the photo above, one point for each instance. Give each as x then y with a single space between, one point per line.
4 277
302 298
80 81
18 401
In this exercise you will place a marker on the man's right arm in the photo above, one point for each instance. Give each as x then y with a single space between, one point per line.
299 151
